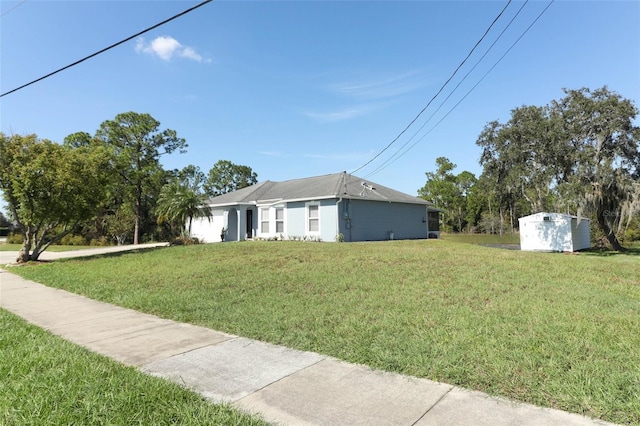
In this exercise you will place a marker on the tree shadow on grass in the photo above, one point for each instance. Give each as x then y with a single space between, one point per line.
606 252
108 255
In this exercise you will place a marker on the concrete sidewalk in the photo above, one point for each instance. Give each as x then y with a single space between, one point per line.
285 386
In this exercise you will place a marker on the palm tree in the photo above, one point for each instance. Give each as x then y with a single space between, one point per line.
180 202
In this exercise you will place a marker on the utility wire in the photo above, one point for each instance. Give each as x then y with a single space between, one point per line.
439 91
14 7
110 47
468 92
397 153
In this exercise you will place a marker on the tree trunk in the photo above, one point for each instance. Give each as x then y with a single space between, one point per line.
511 218
25 252
491 214
611 236
136 229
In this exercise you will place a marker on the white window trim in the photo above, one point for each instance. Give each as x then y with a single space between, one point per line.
284 220
307 218
272 220
261 221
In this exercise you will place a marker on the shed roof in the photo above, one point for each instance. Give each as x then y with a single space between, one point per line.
337 185
540 215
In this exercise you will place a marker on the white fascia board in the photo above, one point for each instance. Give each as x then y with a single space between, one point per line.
272 202
234 204
295 200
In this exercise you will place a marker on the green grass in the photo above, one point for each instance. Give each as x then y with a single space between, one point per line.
47 380
557 330
482 238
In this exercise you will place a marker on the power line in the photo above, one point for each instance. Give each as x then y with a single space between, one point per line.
110 47
392 160
14 7
441 89
397 154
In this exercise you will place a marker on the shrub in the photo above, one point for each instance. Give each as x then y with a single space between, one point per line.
632 234
185 241
15 239
100 242
72 240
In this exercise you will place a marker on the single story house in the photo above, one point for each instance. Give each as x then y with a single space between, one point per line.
334 207
554 232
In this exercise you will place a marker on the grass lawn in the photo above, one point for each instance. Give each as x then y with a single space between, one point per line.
557 330
47 380
513 238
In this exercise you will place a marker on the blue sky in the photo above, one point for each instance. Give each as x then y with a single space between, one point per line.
304 88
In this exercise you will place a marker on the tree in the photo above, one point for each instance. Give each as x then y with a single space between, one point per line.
118 224
137 145
78 139
50 189
522 160
465 181
225 177
603 173
183 199
192 177
577 154
440 188
449 192
4 222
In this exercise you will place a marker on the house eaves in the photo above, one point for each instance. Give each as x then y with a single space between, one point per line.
332 186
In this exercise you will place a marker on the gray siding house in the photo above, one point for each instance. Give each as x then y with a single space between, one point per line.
326 208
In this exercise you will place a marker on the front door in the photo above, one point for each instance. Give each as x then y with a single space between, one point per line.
249 224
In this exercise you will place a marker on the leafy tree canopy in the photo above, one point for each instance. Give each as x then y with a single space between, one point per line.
49 188
579 154
226 176
449 192
183 199
137 144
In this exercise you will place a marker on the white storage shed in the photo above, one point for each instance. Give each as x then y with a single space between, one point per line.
554 232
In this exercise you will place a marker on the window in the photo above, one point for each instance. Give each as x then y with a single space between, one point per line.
313 214
264 221
279 220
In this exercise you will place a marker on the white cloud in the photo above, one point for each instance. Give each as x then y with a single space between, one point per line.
188 52
332 116
274 154
345 113
369 93
166 47
383 87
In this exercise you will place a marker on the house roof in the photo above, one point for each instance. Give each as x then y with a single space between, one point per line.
337 185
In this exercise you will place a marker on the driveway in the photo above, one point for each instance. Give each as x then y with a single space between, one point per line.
7 257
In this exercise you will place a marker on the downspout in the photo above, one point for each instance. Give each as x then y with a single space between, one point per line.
338 217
